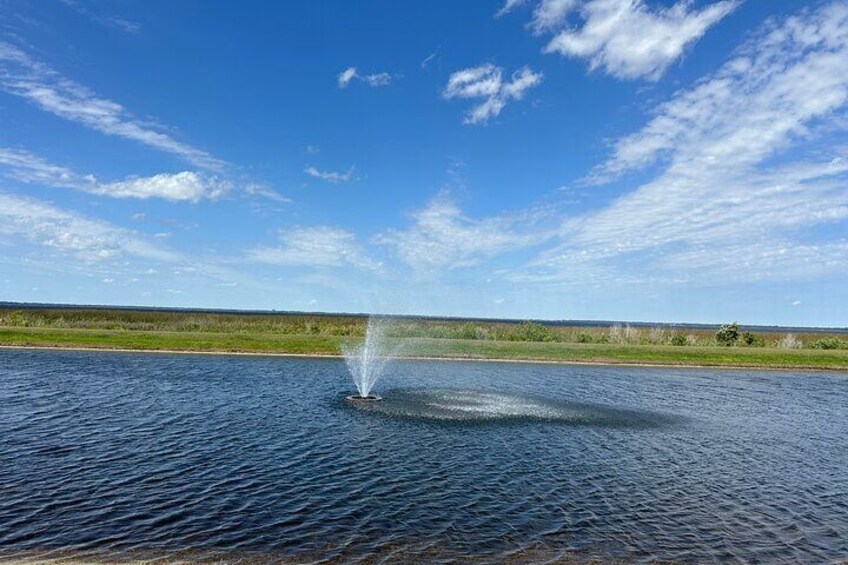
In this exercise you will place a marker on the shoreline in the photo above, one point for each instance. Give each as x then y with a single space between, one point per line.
599 363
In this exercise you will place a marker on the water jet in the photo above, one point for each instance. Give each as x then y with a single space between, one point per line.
368 360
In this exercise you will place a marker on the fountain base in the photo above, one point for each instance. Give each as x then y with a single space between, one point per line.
358 398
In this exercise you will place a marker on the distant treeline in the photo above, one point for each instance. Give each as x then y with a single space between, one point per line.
679 326
354 326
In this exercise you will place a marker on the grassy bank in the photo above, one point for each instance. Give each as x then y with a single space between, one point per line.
273 342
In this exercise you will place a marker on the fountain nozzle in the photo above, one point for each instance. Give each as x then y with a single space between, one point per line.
359 398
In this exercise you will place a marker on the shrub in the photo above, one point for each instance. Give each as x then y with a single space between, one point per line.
583 337
829 343
531 331
467 331
752 340
728 334
679 339
16 318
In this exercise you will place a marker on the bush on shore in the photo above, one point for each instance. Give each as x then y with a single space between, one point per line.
354 327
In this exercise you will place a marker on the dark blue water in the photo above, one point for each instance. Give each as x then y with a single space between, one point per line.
113 457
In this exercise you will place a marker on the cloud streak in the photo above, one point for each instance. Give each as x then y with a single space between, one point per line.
67 232
508 6
330 176
32 80
183 186
317 246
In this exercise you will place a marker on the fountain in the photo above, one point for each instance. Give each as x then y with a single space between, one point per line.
368 360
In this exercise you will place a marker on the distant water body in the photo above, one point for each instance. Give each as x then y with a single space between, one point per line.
110 457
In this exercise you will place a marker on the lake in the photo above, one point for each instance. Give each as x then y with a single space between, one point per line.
116 456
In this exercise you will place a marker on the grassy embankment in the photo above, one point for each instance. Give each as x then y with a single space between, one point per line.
323 335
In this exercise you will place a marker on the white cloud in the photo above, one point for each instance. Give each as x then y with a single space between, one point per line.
441 237
329 176
378 79
346 76
186 185
626 38
27 167
756 104
551 14
319 246
474 82
72 243
350 74
90 240
486 82
509 5
265 191
34 81
727 201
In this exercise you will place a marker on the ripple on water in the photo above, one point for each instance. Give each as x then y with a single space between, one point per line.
463 405
120 458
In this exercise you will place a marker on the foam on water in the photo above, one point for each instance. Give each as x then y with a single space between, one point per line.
462 405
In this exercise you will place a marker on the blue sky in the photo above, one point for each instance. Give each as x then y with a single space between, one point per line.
586 159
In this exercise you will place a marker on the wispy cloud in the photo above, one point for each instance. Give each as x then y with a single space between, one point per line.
429 59
187 185
330 176
627 39
551 14
317 246
442 237
67 232
350 74
42 86
727 200
28 167
108 20
265 191
74 243
486 82
508 6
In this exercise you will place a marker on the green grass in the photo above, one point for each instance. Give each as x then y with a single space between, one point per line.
647 354
254 342
176 341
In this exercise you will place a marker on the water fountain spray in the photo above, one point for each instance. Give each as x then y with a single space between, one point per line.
368 360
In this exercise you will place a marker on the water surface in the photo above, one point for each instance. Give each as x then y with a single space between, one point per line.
114 457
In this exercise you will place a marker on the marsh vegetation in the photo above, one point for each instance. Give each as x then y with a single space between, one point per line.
729 345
